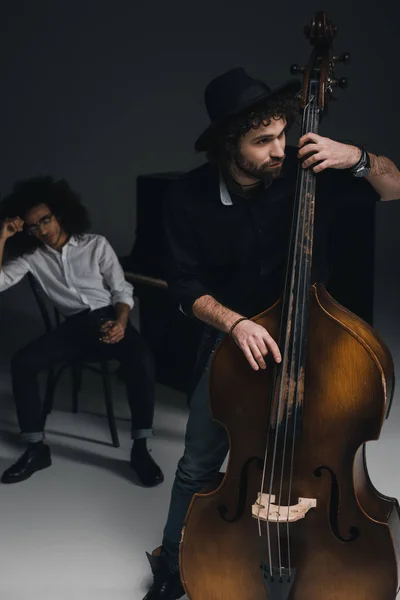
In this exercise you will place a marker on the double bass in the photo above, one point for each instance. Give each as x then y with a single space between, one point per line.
296 516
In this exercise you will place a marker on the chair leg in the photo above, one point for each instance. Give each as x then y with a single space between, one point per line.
76 372
109 403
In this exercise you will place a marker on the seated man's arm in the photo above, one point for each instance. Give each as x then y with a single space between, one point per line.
122 312
121 290
14 270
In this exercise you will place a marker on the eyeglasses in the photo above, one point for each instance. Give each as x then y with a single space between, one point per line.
35 227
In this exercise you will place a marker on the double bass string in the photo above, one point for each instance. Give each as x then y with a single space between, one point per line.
302 298
303 247
308 179
295 227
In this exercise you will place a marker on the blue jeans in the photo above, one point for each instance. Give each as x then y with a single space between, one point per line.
206 447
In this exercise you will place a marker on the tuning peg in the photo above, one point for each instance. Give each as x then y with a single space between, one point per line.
343 58
296 69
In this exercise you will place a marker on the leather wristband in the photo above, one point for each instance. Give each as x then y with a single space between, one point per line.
364 160
359 162
236 323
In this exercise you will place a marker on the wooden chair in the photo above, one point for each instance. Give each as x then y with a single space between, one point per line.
77 368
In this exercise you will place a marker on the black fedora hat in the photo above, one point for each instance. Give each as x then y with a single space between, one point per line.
233 92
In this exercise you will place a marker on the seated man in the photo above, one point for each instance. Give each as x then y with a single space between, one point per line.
44 228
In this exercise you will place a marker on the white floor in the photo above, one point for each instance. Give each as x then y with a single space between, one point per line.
79 530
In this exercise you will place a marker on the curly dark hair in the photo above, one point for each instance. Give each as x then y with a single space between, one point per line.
224 138
63 202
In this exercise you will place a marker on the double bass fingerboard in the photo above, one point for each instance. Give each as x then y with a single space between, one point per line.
289 384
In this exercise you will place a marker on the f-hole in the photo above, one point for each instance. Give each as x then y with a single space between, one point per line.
334 507
242 492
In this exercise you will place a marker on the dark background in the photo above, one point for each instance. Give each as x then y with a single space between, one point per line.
99 92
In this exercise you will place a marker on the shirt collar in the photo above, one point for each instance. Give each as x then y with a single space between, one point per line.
73 241
225 196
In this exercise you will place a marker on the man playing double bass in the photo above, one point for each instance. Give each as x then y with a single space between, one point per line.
228 225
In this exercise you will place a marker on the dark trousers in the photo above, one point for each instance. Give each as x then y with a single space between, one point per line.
75 339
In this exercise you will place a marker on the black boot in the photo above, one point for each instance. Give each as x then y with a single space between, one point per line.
167 584
36 457
148 472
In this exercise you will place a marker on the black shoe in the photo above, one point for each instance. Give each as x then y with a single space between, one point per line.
167 584
148 472
36 457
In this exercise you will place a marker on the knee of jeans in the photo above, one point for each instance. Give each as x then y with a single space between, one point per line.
198 471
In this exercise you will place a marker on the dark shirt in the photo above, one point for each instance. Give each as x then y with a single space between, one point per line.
237 253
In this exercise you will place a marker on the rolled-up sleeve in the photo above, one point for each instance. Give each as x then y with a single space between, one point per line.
110 267
183 264
12 272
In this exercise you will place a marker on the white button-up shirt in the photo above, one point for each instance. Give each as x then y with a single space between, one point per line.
86 274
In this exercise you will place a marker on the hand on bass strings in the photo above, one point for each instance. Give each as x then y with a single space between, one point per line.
326 153
256 343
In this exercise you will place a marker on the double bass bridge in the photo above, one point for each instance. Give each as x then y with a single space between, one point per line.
266 509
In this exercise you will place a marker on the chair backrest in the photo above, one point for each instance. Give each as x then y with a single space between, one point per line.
43 306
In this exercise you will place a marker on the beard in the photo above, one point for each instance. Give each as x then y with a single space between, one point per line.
265 172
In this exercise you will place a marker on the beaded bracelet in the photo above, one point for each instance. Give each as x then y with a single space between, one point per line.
236 323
